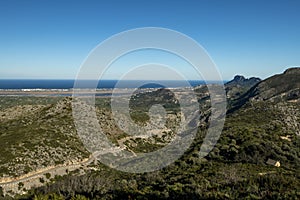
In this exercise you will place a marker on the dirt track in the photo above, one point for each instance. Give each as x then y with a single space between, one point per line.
32 178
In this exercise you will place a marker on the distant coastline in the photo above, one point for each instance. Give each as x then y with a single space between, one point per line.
67 85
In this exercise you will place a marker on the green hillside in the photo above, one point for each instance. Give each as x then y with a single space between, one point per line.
262 128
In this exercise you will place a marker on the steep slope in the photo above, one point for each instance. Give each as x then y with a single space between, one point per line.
280 87
264 123
284 86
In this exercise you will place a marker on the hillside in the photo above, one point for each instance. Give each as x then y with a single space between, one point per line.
237 168
265 122
36 135
280 87
262 126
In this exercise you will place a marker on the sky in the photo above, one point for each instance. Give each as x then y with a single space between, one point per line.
51 39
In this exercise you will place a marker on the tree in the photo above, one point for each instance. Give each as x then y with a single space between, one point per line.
48 175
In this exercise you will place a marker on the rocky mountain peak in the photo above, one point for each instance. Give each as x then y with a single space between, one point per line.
293 70
239 78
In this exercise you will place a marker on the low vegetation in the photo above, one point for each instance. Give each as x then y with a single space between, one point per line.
258 128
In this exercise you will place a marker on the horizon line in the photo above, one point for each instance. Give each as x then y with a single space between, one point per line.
50 79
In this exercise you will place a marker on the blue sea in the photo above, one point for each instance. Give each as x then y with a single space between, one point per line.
103 84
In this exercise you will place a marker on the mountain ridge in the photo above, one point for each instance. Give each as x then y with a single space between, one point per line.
284 86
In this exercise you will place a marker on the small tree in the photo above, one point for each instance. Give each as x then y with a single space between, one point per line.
48 175
20 185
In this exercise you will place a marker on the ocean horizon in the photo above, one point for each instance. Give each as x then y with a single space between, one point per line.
19 84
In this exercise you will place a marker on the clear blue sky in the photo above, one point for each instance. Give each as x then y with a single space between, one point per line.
50 39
